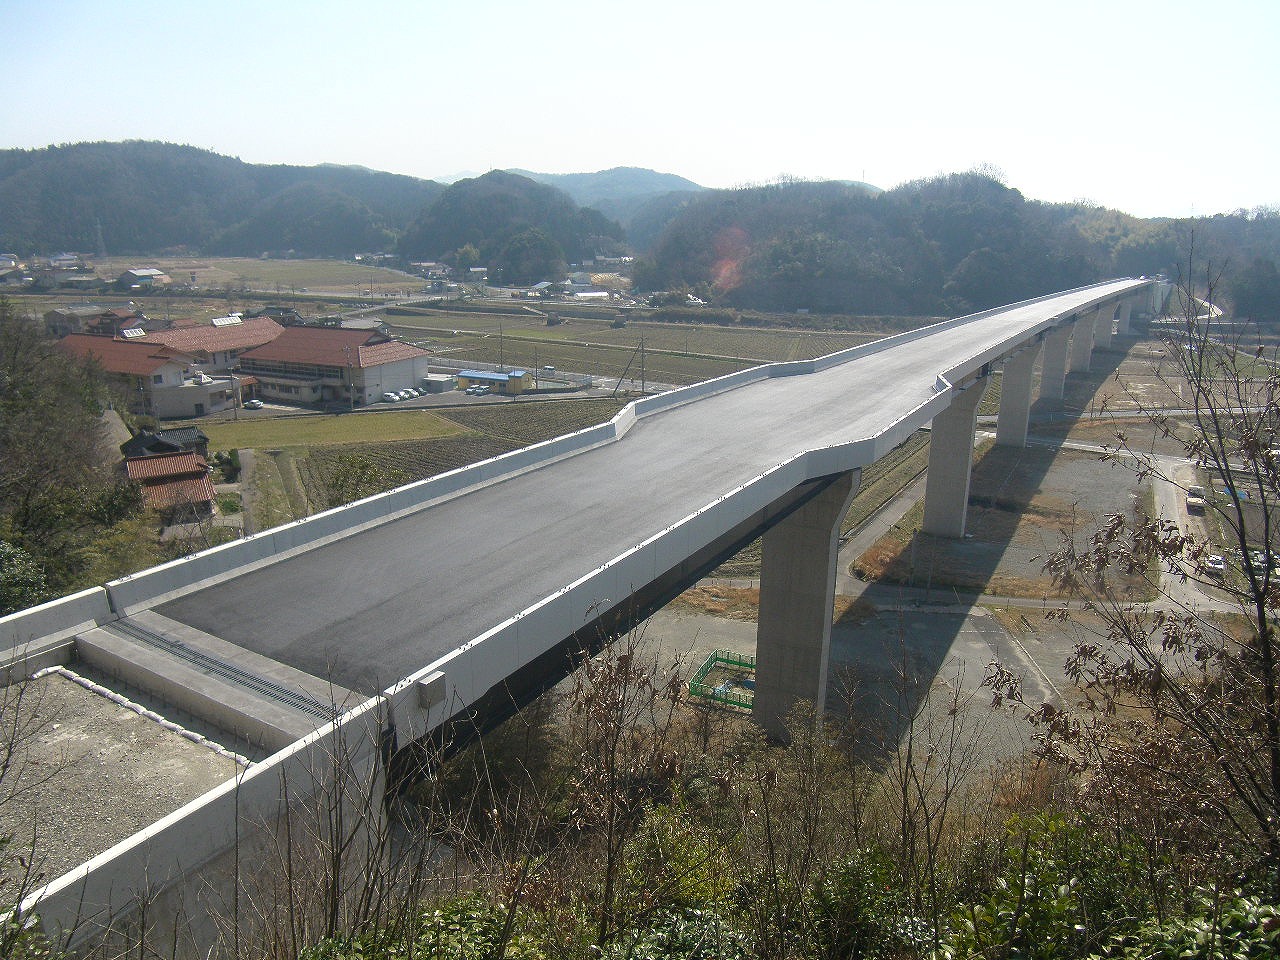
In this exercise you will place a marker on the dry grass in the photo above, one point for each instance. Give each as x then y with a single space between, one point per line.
732 603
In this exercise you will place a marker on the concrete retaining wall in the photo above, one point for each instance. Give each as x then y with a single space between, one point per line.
85 901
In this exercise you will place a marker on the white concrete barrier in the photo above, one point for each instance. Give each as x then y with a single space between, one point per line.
57 619
44 635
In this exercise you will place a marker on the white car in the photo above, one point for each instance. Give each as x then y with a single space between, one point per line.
253 404
390 397
1215 565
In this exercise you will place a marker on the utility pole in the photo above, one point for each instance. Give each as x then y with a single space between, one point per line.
351 379
642 378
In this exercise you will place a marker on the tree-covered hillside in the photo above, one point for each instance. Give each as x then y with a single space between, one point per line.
502 217
148 197
944 245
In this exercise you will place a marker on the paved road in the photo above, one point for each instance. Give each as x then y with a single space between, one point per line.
376 606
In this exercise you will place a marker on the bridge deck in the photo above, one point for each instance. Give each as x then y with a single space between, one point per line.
378 605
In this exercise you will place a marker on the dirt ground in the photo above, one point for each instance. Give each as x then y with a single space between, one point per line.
87 774
1022 503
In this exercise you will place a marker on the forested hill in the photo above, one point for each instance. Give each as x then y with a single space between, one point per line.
940 246
149 197
528 230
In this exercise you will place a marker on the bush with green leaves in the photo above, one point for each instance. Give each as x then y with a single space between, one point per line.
1235 928
673 863
468 928
679 935
1060 887
22 580
859 910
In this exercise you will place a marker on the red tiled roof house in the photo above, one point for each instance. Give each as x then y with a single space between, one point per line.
154 379
323 365
175 485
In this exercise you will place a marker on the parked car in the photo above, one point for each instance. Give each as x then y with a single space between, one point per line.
390 397
412 392
253 404
1216 565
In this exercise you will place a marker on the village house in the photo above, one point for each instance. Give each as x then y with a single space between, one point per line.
99 321
321 365
175 485
149 443
154 379
142 278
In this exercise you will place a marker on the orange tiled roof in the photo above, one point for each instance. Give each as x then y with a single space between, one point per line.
175 493
210 339
326 347
123 356
165 465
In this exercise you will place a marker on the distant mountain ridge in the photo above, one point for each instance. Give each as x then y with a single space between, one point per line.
624 194
943 245
526 230
140 197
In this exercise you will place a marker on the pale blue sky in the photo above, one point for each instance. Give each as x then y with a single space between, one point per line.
1156 108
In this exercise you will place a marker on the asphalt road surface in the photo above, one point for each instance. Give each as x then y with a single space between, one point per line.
378 605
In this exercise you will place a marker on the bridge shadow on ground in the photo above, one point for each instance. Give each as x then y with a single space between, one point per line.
913 636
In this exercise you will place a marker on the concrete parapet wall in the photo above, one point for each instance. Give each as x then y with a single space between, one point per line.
44 635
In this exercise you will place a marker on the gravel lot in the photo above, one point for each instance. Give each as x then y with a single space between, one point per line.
89 773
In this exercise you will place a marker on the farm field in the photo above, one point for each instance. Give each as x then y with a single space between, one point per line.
751 343
599 361
279 432
674 353
333 277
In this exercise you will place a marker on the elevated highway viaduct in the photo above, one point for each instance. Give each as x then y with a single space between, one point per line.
461 596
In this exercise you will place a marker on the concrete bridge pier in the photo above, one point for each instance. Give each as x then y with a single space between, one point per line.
1015 397
1124 325
1081 344
1053 372
797 592
1102 325
946 492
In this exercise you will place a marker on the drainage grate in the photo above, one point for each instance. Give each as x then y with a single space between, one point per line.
267 688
